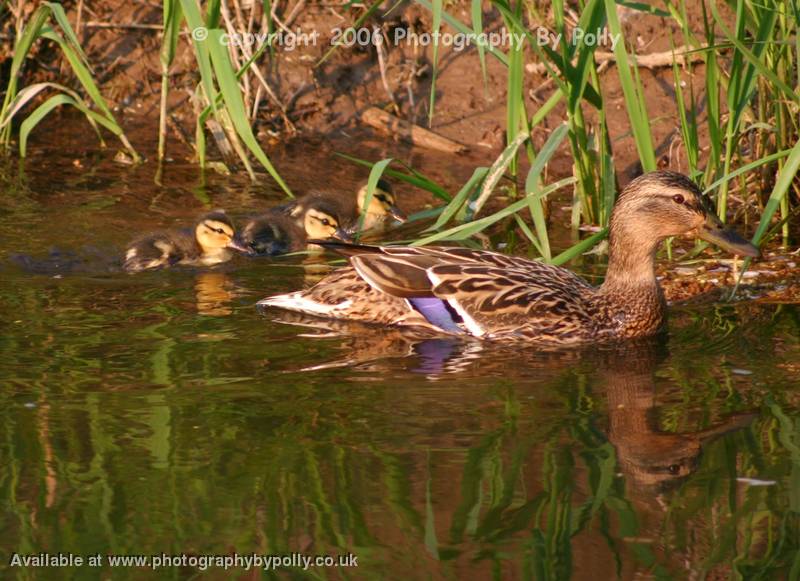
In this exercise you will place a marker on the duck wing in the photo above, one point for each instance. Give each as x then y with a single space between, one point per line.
484 293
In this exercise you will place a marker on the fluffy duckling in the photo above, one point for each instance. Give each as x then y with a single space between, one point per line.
381 206
286 228
209 242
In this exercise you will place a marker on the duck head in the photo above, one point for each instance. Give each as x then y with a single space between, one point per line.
321 221
661 204
381 205
215 232
262 237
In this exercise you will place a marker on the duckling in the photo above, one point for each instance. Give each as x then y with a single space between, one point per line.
210 242
382 205
279 231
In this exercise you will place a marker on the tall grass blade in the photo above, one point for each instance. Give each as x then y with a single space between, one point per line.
468 229
783 184
457 203
42 110
497 170
372 182
232 97
436 27
477 29
637 114
532 186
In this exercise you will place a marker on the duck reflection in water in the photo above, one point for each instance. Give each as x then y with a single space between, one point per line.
214 292
651 459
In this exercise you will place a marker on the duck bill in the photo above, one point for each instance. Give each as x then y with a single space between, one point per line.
715 232
397 214
237 245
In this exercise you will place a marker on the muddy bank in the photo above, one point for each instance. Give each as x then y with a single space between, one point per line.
326 99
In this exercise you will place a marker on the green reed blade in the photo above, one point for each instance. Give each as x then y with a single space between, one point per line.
579 248
753 57
195 21
232 97
463 231
532 237
26 94
66 27
747 168
415 179
214 14
464 29
45 108
458 200
782 185
532 182
436 27
21 48
688 121
476 11
173 16
372 182
637 114
82 72
497 170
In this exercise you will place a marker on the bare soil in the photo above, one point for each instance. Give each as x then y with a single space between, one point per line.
122 41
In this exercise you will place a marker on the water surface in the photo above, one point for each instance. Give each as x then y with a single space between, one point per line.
161 412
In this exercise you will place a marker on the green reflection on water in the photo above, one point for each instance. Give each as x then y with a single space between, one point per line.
161 413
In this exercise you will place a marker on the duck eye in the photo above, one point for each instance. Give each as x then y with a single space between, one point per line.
325 222
678 199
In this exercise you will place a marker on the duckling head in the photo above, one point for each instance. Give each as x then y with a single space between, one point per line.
321 220
264 237
381 206
661 204
214 232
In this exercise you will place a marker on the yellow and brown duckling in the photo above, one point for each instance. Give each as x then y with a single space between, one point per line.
382 206
209 242
287 228
377 210
494 296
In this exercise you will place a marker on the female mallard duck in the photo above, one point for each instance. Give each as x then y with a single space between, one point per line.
278 232
494 296
209 242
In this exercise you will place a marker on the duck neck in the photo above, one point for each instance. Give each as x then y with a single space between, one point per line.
631 262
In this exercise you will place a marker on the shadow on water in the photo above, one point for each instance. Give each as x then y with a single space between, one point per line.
161 413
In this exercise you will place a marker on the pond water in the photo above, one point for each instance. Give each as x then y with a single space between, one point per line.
161 413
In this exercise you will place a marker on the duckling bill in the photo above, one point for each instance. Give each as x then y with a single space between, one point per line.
209 242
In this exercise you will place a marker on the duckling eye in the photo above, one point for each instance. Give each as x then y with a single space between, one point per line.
325 222
678 199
